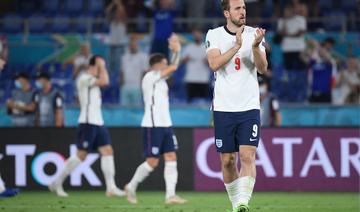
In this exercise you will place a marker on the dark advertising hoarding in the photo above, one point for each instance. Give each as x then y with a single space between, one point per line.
31 158
287 159
301 159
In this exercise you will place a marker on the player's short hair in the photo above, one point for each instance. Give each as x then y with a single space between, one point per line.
225 5
43 75
22 75
329 40
156 58
92 61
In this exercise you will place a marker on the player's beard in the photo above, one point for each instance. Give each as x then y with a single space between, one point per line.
237 22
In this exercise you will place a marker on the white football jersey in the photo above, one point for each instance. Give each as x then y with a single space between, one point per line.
90 100
156 100
236 86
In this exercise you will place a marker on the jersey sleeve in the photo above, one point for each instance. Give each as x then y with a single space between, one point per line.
185 52
155 76
280 25
87 81
275 104
91 81
211 41
58 101
122 65
150 79
35 97
302 23
145 63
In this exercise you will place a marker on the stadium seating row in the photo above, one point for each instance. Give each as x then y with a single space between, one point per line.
69 7
71 16
61 23
61 77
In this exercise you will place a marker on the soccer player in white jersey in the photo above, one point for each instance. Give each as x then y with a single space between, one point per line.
92 135
236 53
156 124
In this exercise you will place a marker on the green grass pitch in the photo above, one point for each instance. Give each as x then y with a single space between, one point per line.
198 202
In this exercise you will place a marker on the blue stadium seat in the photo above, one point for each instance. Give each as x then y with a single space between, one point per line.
5 89
61 24
7 72
61 72
13 23
73 7
349 5
67 90
15 69
81 23
101 27
95 7
31 70
47 68
325 5
70 92
334 20
37 23
111 93
50 6
26 7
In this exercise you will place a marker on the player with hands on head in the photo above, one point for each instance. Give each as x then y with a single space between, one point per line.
92 135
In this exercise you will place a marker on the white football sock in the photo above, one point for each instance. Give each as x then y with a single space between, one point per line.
246 186
233 191
2 185
142 171
108 169
70 165
171 177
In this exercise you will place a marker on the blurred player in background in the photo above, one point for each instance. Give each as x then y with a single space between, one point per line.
50 103
270 108
92 135
22 103
235 53
5 192
131 72
158 136
197 69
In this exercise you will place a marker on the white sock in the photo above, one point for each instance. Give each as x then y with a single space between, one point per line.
70 164
233 191
171 177
246 186
2 185
142 171
240 190
108 169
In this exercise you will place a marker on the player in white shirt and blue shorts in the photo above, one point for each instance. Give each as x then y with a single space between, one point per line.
92 135
158 136
236 53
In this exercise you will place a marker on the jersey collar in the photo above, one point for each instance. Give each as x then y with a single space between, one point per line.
231 33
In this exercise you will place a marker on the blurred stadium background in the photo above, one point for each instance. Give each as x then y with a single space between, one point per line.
315 147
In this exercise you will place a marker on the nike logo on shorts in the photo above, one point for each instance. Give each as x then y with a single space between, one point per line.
252 139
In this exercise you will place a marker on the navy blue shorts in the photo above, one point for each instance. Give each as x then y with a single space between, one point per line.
158 140
233 129
91 137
